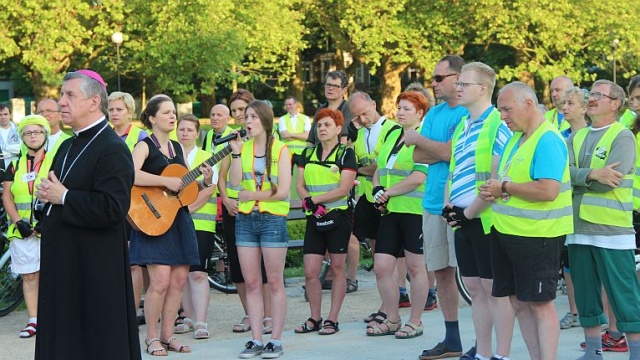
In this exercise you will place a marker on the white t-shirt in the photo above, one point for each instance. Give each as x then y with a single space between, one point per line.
53 139
191 156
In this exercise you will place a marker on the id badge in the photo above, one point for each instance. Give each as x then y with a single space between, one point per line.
31 176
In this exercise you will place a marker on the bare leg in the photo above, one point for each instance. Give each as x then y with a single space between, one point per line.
419 284
339 288
274 259
353 257
178 279
448 293
250 265
481 314
313 288
30 292
539 325
137 280
200 294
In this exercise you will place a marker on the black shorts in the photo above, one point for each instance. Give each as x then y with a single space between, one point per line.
229 231
205 249
335 241
399 232
526 267
473 250
564 258
366 219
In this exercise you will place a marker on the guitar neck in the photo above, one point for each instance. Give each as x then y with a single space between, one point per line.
192 175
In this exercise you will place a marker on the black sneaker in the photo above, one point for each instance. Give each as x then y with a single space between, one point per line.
432 302
251 350
404 301
470 355
272 351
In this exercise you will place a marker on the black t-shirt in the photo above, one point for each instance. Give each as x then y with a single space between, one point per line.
9 174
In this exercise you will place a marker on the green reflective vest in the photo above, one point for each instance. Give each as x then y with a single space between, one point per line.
483 157
552 115
409 202
20 191
613 207
522 217
280 207
628 118
636 178
204 218
132 136
295 146
364 157
323 176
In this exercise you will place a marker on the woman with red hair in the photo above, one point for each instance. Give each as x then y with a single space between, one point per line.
398 191
325 177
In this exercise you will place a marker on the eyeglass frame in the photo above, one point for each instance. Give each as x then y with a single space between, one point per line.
33 132
333 86
597 95
440 78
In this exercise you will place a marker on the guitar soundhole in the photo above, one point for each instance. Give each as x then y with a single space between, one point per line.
170 193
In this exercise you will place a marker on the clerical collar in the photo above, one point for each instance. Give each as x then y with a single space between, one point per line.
93 124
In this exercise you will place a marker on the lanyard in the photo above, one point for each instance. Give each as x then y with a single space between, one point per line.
63 174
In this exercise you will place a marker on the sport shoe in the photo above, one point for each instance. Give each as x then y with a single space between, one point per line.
569 320
432 302
470 354
404 301
272 351
251 350
352 286
439 351
611 344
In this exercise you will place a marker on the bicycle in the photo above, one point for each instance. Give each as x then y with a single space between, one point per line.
326 266
220 279
10 283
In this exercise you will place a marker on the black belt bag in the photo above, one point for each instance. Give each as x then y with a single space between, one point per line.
328 222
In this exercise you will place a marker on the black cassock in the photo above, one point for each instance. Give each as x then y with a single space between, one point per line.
85 306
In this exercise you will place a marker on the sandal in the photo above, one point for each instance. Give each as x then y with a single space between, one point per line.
180 348
329 328
267 325
202 331
305 328
29 331
391 326
371 316
183 325
242 326
161 351
377 320
352 286
410 330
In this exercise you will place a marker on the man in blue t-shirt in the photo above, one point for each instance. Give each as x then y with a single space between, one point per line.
433 147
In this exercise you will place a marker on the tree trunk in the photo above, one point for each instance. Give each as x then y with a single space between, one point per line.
296 88
208 101
42 90
390 85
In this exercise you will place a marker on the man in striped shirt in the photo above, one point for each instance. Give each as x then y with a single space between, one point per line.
477 145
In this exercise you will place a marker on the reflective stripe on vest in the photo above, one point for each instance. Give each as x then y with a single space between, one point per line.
295 146
483 157
411 201
204 218
132 137
617 204
364 157
20 191
522 217
280 207
320 179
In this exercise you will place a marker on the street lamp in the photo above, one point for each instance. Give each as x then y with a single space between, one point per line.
614 46
117 39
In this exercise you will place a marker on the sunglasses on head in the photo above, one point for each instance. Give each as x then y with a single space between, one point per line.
440 78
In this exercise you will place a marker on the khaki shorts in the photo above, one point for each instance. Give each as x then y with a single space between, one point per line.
439 249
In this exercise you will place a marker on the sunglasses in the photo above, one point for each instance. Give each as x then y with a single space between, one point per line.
440 78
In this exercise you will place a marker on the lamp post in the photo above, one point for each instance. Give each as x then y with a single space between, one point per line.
116 38
614 46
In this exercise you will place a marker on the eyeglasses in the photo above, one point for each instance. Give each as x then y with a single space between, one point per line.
440 78
33 133
332 86
465 85
597 95
47 112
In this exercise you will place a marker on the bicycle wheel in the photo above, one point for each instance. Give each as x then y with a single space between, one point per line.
10 285
462 288
220 280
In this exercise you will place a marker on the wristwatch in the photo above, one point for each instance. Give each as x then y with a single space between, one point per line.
504 195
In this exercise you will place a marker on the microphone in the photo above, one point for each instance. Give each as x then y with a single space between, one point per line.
229 137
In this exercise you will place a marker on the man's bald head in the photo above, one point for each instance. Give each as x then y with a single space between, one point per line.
219 116
559 86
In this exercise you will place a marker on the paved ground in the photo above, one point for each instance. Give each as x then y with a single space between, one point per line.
349 343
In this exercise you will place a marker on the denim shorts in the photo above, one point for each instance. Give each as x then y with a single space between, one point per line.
261 230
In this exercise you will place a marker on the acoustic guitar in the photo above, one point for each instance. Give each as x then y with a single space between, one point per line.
154 208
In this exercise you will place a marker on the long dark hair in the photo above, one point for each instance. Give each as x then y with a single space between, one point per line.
152 109
633 84
265 113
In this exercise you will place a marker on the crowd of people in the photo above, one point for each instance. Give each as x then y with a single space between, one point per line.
508 194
